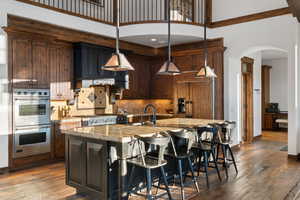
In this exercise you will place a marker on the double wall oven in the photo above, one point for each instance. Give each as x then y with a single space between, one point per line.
32 126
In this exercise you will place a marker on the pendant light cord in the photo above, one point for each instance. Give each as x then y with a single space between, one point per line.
169 34
205 37
118 26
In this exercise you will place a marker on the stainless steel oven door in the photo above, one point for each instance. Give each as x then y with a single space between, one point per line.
32 141
31 112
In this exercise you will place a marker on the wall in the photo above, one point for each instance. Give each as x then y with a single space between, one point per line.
257 93
278 82
4 97
226 9
247 38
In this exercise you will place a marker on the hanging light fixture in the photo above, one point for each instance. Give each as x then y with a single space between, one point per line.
118 61
169 68
206 71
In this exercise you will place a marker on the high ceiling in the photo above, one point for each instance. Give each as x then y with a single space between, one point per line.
158 41
273 54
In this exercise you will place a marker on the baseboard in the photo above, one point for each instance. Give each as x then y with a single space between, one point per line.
294 157
4 170
257 137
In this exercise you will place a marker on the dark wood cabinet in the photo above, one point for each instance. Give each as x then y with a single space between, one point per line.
30 63
61 72
89 60
269 120
87 166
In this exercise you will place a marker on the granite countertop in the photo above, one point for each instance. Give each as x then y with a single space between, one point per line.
116 133
185 122
148 114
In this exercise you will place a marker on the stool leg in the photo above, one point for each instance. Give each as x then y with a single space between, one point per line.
225 160
193 174
233 160
131 177
149 184
199 162
216 165
205 167
218 149
163 174
181 178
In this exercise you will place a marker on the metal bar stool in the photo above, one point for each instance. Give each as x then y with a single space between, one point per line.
206 147
182 142
149 162
224 142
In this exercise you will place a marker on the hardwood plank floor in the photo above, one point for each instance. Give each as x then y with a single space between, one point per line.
265 173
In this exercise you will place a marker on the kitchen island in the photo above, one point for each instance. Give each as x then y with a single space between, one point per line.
96 156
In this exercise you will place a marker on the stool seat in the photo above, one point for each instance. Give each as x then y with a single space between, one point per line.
150 162
202 146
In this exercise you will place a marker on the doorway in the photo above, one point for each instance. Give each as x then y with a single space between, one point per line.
247 99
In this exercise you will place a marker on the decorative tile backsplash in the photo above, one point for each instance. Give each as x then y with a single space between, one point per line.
138 105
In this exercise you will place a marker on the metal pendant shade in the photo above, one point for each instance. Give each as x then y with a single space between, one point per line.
206 71
169 68
118 61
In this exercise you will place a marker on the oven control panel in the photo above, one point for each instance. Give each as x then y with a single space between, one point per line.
31 92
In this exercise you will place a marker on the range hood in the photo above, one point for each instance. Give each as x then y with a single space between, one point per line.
88 58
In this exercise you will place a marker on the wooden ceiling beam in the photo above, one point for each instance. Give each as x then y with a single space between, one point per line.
295 8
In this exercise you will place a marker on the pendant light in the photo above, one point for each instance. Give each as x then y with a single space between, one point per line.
206 71
169 68
118 61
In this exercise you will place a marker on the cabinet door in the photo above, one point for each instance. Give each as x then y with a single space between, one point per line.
201 100
21 63
61 72
76 160
59 143
40 65
65 77
96 167
54 72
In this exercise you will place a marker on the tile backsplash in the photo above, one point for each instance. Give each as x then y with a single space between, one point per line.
138 105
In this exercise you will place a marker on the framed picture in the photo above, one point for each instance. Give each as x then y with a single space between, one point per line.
96 2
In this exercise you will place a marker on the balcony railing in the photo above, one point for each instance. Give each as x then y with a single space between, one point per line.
131 11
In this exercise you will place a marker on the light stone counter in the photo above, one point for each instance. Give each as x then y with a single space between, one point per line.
117 132
185 122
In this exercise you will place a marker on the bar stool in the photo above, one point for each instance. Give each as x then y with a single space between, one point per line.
206 147
150 162
182 142
224 142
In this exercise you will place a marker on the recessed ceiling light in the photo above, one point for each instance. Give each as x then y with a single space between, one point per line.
153 39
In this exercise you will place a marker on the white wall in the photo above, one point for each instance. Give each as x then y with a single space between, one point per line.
226 9
256 92
245 39
4 101
278 82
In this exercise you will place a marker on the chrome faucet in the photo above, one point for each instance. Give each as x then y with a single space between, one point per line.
153 112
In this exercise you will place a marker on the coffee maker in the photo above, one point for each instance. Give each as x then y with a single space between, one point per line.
181 105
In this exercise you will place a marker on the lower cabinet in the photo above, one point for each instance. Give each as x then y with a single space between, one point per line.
87 166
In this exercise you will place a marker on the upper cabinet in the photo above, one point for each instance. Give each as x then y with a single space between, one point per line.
89 60
40 63
61 71
30 63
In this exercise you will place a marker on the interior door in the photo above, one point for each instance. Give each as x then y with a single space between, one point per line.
244 108
201 100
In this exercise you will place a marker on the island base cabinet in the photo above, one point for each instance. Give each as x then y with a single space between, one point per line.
87 166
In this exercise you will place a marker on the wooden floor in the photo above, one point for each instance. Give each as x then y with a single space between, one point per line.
265 173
